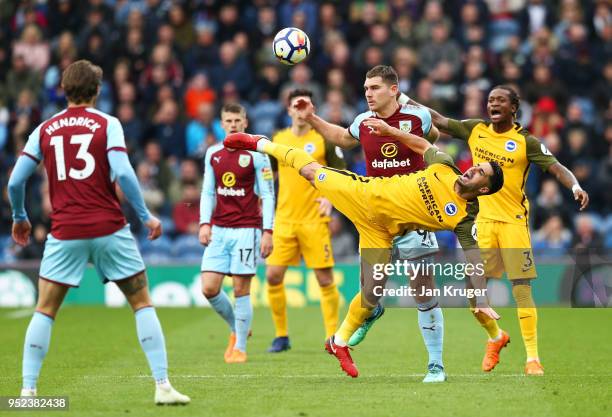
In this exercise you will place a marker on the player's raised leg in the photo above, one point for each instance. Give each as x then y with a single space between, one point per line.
151 338
38 335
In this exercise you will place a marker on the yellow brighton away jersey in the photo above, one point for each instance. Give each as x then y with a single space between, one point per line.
424 200
296 197
514 150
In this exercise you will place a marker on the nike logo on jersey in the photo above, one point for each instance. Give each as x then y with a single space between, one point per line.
482 137
436 175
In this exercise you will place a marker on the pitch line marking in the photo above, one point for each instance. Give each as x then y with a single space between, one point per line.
19 314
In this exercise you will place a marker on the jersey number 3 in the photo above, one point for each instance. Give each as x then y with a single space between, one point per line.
90 163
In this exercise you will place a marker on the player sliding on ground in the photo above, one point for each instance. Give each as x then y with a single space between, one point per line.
82 150
233 182
437 198
387 156
503 221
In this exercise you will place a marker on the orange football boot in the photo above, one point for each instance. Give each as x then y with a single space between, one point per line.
534 368
237 356
230 346
491 357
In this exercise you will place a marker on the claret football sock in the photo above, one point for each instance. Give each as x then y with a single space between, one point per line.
223 306
244 316
152 341
431 324
528 319
278 306
35 348
330 298
294 157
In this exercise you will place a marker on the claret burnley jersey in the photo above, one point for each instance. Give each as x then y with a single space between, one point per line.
73 146
234 180
514 150
386 156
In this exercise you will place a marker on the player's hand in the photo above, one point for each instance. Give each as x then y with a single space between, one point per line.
266 244
304 108
377 126
488 311
582 197
155 228
21 232
325 206
205 234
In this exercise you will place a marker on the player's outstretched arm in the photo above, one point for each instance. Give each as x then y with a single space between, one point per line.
380 128
126 177
265 190
567 178
440 121
539 154
23 169
335 134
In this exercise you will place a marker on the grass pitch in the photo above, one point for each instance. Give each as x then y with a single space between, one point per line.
96 360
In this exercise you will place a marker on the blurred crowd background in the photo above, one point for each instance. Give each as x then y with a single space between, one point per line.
170 65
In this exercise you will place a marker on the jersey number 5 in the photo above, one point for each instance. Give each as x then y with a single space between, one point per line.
90 163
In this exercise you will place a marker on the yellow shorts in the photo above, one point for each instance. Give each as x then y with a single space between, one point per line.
505 247
312 240
348 193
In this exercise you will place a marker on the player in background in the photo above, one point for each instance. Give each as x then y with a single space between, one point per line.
382 208
503 223
83 151
387 156
301 227
230 227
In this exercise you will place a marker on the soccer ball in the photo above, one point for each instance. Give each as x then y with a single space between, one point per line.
291 46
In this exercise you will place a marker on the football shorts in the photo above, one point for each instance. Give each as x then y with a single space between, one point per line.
311 240
233 251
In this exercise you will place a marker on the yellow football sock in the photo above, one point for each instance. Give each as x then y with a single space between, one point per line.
490 325
294 157
278 306
354 318
528 318
330 298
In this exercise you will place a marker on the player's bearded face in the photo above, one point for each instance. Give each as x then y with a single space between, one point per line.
378 94
477 178
233 122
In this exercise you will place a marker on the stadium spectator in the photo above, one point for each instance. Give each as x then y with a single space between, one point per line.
203 131
186 213
548 203
189 173
553 238
232 67
198 92
168 129
586 236
35 51
343 243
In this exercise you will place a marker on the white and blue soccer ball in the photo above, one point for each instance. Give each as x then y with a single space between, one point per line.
291 46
